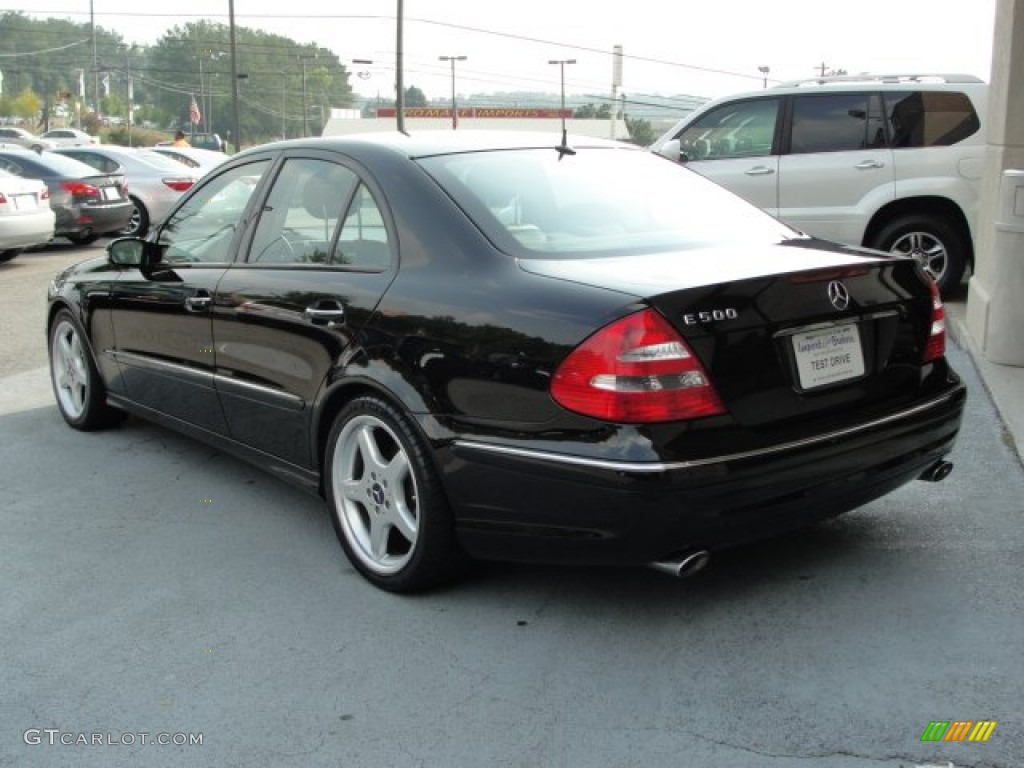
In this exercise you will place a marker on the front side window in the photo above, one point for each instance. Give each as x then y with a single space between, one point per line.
836 122
930 118
740 129
202 229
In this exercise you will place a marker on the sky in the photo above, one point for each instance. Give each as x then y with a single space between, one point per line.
706 49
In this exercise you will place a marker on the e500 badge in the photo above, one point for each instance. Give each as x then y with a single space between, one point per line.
710 316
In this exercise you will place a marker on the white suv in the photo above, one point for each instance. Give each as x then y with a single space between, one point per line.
891 162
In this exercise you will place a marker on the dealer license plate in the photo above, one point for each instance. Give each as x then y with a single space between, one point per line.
111 193
23 202
828 355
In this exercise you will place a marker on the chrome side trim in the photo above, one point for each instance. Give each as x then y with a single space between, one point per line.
655 467
204 377
253 391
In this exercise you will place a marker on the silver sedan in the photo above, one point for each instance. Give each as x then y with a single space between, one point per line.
155 182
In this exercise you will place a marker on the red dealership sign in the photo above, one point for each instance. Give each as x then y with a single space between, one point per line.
481 112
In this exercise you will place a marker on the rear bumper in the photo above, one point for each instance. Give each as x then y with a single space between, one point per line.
27 229
527 505
99 219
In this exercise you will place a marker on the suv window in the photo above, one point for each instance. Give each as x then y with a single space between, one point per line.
930 118
836 122
742 129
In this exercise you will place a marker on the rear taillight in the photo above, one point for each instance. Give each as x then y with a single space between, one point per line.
636 370
80 189
2 198
179 185
935 347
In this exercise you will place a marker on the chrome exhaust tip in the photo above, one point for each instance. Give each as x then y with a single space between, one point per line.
685 565
937 472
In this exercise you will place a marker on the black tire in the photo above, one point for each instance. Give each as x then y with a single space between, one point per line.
77 387
9 254
139 225
936 245
386 501
83 239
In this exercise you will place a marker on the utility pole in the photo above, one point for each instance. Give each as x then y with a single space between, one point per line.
234 77
95 62
399 76
455 109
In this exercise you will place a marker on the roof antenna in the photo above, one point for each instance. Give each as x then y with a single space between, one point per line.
563 148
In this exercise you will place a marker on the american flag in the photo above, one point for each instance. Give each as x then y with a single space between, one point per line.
194 115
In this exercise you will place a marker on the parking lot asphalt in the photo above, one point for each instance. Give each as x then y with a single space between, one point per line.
156 589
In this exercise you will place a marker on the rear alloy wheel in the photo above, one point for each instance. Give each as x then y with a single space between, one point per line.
386 501
81 396
934 244
139 224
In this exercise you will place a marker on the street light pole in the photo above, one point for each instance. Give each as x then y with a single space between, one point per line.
305 118
764 71
561 65
131 89
455 109
284 92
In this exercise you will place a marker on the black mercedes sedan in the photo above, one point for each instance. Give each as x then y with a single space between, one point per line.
514 346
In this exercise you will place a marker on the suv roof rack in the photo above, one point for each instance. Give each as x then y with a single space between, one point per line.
890 78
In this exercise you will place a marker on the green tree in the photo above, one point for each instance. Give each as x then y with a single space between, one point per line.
640 132
590 112
26 104
414 97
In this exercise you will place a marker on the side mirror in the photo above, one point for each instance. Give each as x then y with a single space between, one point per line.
127 252
672 149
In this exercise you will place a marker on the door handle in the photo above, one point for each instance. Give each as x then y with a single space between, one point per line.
868 165
321 315
760 170
200 302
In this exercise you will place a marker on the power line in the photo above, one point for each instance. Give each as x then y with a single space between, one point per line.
432 22
47 50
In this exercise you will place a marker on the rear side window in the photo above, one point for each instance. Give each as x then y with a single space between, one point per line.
930 118
836 122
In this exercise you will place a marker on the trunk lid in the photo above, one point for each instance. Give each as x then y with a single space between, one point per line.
785 331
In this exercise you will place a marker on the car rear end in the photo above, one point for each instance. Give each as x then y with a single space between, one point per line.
26 219
719 414
95 204
159 182
750 381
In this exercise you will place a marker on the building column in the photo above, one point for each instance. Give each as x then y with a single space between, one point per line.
995 297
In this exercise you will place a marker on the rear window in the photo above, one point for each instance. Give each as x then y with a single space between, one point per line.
930 118
598 201
53 164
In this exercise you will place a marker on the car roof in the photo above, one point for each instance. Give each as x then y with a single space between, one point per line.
438 142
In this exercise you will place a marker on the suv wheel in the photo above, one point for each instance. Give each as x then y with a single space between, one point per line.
936 246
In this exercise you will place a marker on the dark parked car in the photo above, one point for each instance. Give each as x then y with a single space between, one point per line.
504 346
87 204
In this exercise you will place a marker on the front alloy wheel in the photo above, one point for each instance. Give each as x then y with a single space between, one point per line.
81 397
386 502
